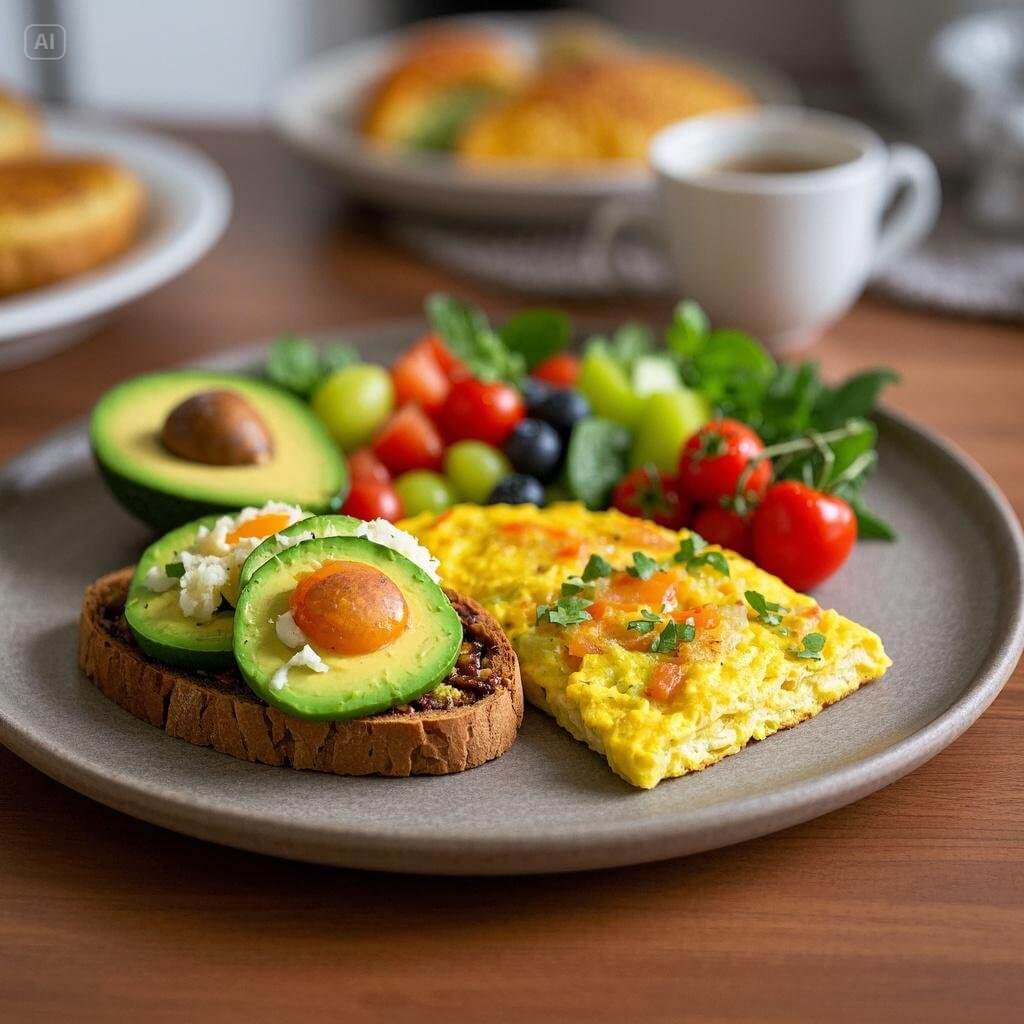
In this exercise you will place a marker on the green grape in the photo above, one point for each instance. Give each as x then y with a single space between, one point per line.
423 491
609 391
667 420
354 402
473 468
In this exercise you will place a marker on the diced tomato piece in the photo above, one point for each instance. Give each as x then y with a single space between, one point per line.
704 617
419 377
633 592
364 466
409 441
666 678
560 370
585 639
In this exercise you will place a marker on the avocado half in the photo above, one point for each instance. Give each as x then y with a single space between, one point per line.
305 467
354 685
160 628
307 529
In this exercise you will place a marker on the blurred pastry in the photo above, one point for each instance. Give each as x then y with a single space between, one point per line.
440 81
61 215
596 110
20 131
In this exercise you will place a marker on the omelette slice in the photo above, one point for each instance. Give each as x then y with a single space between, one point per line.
662 654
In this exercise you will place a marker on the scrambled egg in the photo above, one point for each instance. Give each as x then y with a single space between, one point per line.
737 675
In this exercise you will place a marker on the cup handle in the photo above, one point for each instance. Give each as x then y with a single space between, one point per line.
609 221
913 213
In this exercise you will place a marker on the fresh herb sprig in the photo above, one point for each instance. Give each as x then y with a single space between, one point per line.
810 647
769 613
693 554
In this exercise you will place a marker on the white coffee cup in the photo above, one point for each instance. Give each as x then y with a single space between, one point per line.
778 254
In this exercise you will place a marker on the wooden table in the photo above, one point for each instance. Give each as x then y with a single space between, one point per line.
906 906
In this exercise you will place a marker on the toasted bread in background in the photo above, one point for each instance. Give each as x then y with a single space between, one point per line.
604 108
21 132
220 711
61 215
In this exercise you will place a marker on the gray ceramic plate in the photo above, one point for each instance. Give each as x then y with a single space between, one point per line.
946 599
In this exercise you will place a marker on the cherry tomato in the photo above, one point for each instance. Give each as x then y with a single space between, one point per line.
364 466
648 494
453 368
714 458
369 499
409 441
479 411
560 370
802 535
725 527
418 377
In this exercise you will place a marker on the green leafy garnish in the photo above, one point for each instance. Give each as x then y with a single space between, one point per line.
674 633
768 612
596 460
647 621
595 568
438 126
293 363
689 630
574 586
693 544
567 611
337 356
810 648
471 339
175 570
536 334
643 567
693 554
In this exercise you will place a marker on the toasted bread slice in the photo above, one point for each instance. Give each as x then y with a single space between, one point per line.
62 215
219 711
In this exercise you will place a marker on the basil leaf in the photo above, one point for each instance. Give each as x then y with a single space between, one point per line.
468 334
293 363
855 398
536 334
870 526
596 460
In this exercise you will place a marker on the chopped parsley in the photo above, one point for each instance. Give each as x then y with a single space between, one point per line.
693 555
674 633
574 586
810 648
768 612
643 567
567 611
595 568
175 570
645 624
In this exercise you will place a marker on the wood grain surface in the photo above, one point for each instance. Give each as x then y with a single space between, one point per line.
908 906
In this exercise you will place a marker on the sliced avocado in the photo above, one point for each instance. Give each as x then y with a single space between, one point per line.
355 685
160 628
304 529
164 489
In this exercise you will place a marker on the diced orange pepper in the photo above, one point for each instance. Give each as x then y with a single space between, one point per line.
585 639
631 591
666 678
704 617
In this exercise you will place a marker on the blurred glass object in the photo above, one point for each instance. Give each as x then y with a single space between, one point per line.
977 100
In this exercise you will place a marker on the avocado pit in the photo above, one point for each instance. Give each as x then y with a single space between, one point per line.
217 428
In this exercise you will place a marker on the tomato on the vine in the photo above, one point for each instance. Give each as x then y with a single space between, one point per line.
648 494
802 535
713 460
560 370
725 527
477 410
409 440
370 499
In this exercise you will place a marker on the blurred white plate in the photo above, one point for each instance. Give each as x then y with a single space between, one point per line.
189 202
317 113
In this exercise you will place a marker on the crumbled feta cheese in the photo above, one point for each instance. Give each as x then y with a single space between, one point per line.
201 585
380 531
306 658
158 581
288 632
289 542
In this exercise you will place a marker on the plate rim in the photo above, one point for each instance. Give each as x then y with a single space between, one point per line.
105 288
597 844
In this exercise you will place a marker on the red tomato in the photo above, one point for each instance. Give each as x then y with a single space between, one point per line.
560 370
364 466
418 377
713 459
648 494
802 535
664 680
479 411
409 441
370 499
725 527
453 368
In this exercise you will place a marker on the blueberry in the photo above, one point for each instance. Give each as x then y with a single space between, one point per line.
534 448
563 410
517 489
534 392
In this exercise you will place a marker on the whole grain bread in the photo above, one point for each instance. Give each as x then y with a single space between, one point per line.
220 711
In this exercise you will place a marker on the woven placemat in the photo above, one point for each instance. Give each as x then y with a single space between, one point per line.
957 270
